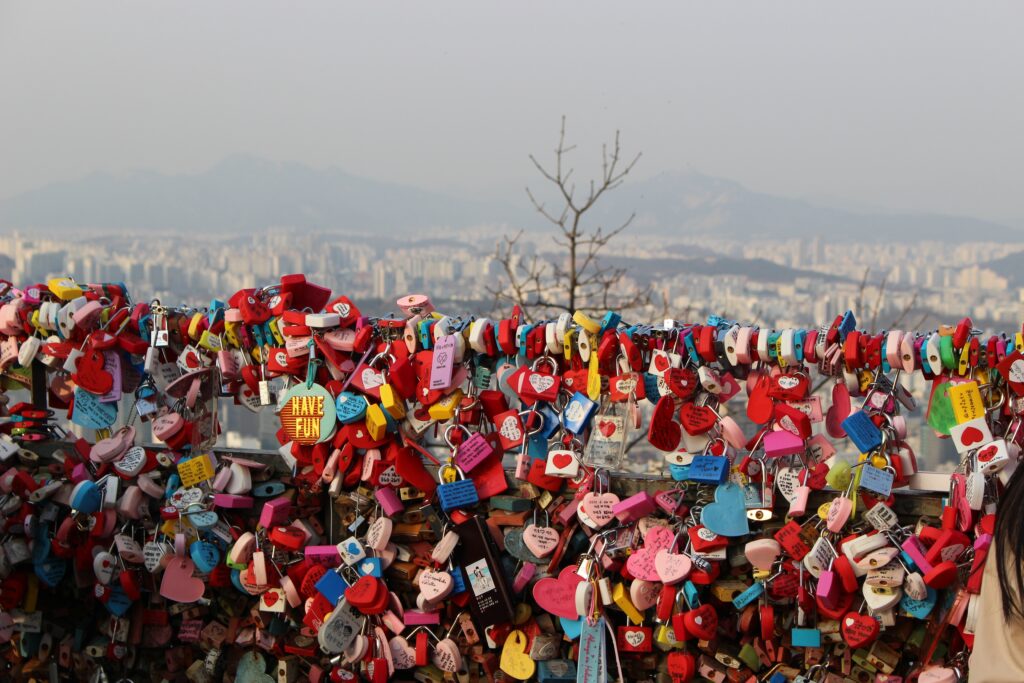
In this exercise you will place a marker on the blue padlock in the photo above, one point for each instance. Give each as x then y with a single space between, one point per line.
864 434
458 494
86 497
577 413
709 469
331 586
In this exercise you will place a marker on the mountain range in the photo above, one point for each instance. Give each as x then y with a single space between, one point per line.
245 193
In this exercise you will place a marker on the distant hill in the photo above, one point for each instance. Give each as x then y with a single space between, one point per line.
692 203
246 193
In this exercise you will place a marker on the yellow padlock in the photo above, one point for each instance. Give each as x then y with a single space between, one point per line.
231 335
445 408
621 598
593 379
193 326
376 423
211 342
65 288
586 322
391 401
274 325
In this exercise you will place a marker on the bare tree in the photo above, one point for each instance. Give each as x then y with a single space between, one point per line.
577 277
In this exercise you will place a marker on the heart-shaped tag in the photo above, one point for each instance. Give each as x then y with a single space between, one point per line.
672 567
435 586
697 419
90 413
702 622
205 556
379 533
447 656
727 516
859 630
644 594
103 565
514 659
153 556
599 507
558 596
663 432
402 654
541 540
179 584
90 375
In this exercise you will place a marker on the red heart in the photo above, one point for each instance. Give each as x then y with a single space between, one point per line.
90 375
859 630
661 362
561 460
967 437
363 592
192 360
681 666
663 432
269 598
697 419
681 382
606 427
702 622
986 453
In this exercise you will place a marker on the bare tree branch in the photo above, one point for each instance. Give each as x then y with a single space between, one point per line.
578 279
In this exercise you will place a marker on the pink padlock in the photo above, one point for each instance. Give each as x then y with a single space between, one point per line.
231 502
633 508
798 506
781 443
389 501
275 511
414 617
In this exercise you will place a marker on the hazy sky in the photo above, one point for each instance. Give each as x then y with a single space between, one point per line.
902 105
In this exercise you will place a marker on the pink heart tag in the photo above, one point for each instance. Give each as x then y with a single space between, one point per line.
178 584
599 507
541 540
644 594
672 567
435 586
558 596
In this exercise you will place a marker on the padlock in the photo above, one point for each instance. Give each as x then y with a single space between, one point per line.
455 492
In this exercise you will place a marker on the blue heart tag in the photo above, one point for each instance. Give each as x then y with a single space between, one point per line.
119 602
727 516
919 609
350 407
205 556
572 628
51 571
90 413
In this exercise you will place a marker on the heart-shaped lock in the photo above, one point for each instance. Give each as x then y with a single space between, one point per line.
447 656
859 630
90 375
103 566
702 622
515 661
599 507
727 516
663 432
540 540
179 584
641 563
435 586
557 596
